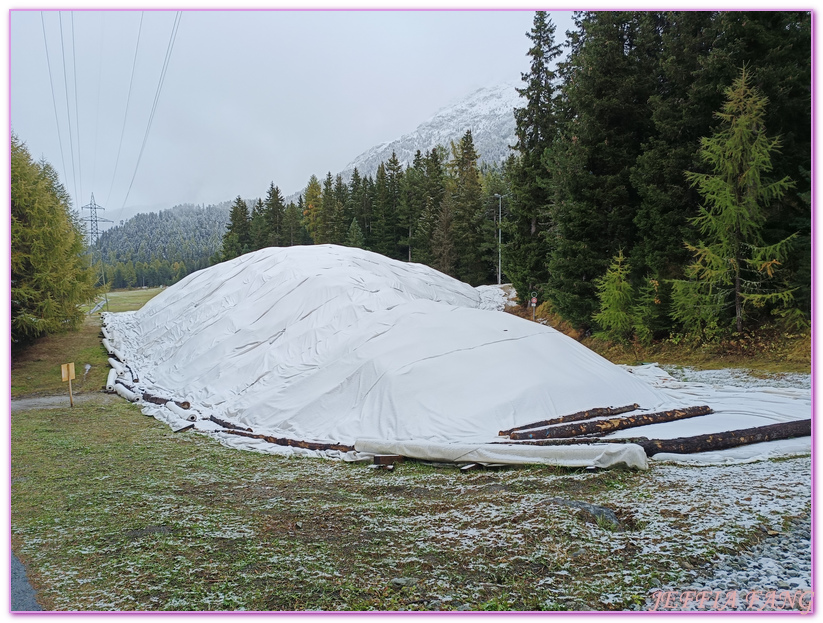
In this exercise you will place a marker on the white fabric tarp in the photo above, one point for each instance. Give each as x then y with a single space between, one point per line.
584 455
337 345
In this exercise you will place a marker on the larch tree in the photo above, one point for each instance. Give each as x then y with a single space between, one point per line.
732 267
50 272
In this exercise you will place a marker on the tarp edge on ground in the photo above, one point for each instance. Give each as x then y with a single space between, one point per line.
589 455
780 448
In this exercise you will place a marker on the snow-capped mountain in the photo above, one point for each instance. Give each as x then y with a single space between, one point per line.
487 112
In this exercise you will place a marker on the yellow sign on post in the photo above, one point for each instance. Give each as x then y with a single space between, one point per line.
68 375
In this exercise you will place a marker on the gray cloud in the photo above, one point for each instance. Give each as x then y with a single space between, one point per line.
250 96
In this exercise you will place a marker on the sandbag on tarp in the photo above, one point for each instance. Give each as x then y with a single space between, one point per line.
340 344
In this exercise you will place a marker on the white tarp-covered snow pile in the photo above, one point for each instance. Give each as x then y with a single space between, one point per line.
342 352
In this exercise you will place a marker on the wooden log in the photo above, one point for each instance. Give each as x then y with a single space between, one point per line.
696 443
607 426
226 424
155 400
573 441
134 377
728 439
574 417
294 443
387 459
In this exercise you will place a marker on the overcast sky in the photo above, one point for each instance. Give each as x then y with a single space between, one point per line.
249 97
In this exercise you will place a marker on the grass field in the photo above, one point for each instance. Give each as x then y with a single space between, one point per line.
111 510
36 371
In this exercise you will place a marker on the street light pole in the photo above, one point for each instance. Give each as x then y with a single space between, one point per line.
499 234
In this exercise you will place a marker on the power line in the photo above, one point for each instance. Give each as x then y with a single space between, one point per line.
97 109
68 106
76 110
169 48
53 99
128 99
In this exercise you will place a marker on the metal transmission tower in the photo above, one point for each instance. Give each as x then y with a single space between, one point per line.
94 233
92 219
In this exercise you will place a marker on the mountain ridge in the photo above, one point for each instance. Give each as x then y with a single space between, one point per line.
488 112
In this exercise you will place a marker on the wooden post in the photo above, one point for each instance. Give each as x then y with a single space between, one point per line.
67 370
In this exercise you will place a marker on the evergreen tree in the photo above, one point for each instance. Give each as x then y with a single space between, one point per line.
258 226
354 237
536 127
275 216
341 214
237 239
394 180
732 266
382 239
326 217
608 80
681 110
294 232
443 246
473 234
412 202
311 208
50 273
434 189
616 300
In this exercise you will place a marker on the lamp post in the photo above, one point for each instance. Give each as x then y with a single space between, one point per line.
499 234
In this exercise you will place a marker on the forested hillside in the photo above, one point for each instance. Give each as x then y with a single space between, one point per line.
160 248
659 184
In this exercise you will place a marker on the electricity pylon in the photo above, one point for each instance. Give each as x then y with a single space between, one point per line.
94 233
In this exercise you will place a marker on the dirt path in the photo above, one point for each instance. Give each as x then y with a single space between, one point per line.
57 402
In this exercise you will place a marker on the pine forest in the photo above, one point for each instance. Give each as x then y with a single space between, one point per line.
660 182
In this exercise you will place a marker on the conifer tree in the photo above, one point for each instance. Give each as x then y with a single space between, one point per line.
412 200
608 80
536 127
312 200
616 300
732 266
394 180
434 188
50 272
354 237
293 230
341 215
258 226
237 239
443 247
473 234
382 234
275 214
326 216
